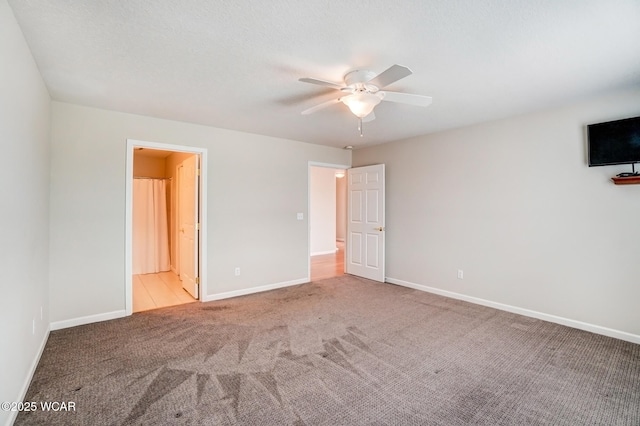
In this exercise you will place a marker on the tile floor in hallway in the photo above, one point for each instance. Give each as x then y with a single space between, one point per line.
151 291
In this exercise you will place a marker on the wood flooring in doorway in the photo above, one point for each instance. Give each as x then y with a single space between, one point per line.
328 265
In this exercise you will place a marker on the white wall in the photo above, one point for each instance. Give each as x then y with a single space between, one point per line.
24 213
514 205
322 210
256 186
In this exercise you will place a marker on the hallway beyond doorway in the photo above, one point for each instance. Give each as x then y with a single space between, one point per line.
328 265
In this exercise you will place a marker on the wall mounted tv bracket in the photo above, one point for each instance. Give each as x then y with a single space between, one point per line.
633 172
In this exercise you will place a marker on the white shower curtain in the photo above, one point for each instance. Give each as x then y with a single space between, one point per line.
150 227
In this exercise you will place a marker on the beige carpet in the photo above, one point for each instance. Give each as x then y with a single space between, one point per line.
343 351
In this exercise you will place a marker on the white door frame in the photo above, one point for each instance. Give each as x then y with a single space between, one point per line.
128 252
328 166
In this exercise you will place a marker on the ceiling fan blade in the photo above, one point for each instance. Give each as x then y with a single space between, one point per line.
320 106
407 98
321 83
390 75
370 117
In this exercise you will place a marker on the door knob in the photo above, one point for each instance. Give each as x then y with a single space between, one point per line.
381 228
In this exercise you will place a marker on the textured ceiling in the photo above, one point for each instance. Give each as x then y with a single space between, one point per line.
236 64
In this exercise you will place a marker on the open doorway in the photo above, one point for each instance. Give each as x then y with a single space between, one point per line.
165 225
327 221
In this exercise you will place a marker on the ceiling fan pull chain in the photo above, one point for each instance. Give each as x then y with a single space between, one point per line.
360 126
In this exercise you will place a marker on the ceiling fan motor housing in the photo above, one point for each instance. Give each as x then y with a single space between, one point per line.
352 78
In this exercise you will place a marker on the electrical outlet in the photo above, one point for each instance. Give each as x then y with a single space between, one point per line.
300 216
237 271
460 274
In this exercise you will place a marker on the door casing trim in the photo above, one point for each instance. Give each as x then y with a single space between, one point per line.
202 249
311 164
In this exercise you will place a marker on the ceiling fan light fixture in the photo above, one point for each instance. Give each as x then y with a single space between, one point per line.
361 104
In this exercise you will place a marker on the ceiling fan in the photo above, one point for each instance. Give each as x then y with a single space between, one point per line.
362 91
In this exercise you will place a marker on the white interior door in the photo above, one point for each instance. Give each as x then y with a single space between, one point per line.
365 222
188 219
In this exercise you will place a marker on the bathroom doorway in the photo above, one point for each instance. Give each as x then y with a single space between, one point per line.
165 236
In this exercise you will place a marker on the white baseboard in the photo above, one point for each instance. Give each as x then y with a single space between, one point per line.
622 335
246 291
318 253
87 320
58 325
29 377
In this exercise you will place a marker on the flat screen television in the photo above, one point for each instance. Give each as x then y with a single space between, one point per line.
614 142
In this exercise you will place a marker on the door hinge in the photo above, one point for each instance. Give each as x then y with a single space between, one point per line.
197 172
197 226
198 280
